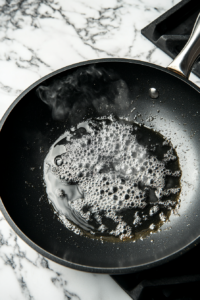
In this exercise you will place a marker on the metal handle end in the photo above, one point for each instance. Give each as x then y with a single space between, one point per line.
183 63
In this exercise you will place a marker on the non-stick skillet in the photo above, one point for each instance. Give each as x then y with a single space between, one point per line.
29 128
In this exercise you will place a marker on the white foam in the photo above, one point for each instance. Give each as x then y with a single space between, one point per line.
102 169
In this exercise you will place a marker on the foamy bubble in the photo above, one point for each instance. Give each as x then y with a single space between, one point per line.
100 169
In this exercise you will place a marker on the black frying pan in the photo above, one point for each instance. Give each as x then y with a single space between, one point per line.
26 138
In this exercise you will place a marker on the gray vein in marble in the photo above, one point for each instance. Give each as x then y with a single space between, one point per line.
9 89
17 259
86 35
150 53
16 14
21 62
24 288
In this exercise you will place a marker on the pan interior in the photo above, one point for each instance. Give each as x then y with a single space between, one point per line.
30 130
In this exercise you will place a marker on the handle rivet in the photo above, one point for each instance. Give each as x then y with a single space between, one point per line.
153 93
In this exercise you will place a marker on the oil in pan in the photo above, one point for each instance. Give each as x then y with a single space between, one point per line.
112 179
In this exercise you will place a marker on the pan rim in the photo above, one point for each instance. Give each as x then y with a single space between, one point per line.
56 259
91 269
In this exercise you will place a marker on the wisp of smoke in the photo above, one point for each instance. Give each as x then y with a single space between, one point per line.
88 88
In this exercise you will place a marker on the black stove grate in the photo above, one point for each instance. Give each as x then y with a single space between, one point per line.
171 31
178 279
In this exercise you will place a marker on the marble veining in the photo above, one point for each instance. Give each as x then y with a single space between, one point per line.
36 38
25 274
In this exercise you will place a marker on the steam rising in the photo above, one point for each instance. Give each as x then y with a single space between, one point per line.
88 89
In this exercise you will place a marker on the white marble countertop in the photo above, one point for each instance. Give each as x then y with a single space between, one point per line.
38 37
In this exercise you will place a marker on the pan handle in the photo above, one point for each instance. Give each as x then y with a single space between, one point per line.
183 63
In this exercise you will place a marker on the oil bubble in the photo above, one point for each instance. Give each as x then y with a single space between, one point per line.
111 178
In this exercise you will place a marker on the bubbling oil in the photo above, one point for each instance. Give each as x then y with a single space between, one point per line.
112 179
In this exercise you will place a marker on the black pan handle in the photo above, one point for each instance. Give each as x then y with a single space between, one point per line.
183 63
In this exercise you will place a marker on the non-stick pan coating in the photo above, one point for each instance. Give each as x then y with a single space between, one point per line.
27 133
